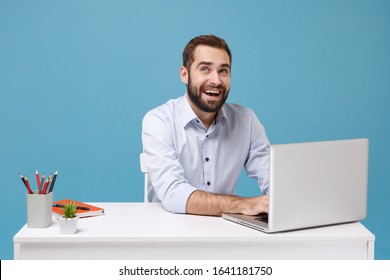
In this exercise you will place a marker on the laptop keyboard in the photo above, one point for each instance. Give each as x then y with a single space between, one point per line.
262 217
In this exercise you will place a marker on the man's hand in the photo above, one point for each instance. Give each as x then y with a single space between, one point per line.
255 205
204 203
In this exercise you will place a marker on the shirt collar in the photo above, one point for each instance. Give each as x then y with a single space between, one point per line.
221 116
188 114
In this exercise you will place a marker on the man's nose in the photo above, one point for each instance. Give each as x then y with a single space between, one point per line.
214 78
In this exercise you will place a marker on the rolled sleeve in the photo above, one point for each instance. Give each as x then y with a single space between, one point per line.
165 172
257 164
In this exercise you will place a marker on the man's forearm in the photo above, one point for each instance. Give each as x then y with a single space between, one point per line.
203 203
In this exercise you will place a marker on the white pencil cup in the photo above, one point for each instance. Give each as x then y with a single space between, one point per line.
39 210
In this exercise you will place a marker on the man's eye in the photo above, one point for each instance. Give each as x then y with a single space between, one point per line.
204 69
224 71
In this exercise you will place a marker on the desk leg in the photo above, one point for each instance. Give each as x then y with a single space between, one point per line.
370 250
17 251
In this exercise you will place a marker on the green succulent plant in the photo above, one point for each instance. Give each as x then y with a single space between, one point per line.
69 210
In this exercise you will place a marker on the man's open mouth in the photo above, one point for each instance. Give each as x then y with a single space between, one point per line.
212 92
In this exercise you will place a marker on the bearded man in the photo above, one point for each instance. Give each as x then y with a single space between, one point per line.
195 146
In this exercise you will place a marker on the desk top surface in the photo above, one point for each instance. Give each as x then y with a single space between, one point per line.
150 222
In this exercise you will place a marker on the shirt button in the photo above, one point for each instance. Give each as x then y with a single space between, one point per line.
208 183
207 159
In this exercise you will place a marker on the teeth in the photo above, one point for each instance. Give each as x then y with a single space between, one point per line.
212 92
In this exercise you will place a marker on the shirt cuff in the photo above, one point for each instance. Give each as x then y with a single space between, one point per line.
177 203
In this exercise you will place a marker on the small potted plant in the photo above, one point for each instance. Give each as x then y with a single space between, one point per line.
69 220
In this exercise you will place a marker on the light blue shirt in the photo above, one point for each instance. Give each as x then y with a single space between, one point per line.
182 155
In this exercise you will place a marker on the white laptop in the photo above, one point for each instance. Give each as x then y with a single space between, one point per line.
313 184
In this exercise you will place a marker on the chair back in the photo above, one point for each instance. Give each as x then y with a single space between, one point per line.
148 190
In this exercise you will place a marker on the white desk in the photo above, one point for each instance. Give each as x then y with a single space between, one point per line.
147 231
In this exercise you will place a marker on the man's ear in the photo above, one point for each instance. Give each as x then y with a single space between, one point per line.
184 75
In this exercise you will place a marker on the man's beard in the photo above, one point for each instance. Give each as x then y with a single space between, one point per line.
195 96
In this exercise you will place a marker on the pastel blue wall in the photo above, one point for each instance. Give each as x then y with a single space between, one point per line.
76 78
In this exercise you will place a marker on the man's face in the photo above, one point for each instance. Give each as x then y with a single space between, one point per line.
208 80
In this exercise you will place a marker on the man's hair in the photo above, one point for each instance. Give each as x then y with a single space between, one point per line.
206 40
